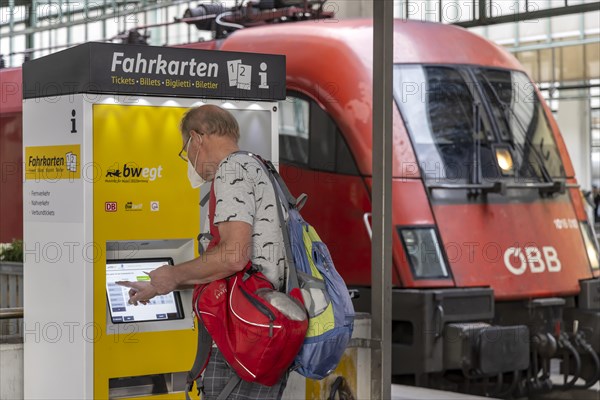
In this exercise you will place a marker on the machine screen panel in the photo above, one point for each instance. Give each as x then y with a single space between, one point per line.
160 308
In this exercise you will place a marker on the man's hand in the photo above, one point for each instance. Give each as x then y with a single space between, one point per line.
139 291
163 279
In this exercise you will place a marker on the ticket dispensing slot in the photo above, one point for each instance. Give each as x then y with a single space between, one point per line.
146 385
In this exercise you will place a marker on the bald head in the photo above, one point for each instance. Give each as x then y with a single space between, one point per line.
209 120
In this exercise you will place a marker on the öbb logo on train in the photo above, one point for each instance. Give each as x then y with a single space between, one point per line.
517 260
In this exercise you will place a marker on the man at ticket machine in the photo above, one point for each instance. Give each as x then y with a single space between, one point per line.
248 225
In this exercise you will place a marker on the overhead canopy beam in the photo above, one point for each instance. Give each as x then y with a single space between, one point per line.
484 19
27 3
42 11
18 3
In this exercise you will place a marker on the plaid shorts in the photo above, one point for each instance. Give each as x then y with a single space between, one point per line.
218 373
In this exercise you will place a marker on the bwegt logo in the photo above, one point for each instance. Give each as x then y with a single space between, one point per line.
133 171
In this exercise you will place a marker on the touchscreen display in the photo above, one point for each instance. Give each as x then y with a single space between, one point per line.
165 307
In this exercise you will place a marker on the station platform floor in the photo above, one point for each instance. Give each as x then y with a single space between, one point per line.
11 374
403 392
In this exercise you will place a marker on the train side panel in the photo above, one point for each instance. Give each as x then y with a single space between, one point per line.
11 156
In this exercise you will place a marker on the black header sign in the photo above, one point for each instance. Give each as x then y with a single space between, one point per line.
159 71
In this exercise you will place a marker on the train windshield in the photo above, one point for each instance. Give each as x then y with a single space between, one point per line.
475 125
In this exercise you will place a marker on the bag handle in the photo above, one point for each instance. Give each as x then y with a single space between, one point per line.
281 191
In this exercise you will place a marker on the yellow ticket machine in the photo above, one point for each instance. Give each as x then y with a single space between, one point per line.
107 198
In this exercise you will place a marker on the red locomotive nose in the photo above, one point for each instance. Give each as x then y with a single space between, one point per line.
517 249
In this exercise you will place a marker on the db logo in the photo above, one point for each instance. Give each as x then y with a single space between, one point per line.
220 291
110 206
518 259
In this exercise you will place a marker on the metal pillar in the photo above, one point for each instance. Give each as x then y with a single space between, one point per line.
11 21
381 258
31 23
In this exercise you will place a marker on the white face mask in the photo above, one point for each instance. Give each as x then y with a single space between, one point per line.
195 179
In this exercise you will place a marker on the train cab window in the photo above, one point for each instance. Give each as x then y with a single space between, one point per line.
445 121
521 122
310 138
322 140
293 130
474 124
344 162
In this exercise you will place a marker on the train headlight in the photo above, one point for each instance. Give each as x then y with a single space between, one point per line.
424 253
591 245
504 160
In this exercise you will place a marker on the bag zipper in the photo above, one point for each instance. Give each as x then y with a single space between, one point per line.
196 298
260 307
262 278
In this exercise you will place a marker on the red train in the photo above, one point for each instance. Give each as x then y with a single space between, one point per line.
495 265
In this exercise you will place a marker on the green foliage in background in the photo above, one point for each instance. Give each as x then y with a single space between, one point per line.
12 251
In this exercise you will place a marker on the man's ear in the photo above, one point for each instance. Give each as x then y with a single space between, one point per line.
197 135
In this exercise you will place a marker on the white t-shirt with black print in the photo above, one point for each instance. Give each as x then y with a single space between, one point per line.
244 192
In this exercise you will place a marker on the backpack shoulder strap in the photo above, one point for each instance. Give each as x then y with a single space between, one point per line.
270 168
228 389
202 356
204 339
200 363
214 237
281 190
293 282
292 201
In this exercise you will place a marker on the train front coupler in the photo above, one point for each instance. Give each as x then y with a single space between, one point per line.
490 357
579 360
544 319
582 322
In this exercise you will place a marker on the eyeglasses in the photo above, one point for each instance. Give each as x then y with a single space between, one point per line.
183 152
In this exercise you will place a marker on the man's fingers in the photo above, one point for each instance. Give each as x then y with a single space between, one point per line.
143 296
133 291
140 292
134 299
132 285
